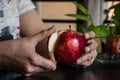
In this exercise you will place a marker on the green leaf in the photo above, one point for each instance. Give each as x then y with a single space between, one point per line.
82 9
100 30
104 31
116 18
91 26
116 21
96 30
113 30
80 17
84 30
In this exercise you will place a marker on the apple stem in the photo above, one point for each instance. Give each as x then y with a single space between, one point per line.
70 27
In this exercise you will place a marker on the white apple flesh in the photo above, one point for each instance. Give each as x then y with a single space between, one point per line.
52 41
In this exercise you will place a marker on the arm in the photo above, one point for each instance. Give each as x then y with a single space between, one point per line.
31 23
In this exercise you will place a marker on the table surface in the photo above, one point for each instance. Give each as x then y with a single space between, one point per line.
64 72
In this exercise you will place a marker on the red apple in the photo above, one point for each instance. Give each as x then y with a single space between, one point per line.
67 45
116 44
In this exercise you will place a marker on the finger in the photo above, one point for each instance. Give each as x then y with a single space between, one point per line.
83 58
43 62
39 36
90 41
89 35
33 69
94 54
51 30
30 69
52 57
86 63
88 60
91 47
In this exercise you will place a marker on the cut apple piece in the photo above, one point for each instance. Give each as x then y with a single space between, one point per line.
52 41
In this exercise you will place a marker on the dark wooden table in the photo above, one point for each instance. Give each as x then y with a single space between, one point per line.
94 72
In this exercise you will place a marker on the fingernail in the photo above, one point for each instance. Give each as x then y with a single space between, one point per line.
86 35
87 49
78 62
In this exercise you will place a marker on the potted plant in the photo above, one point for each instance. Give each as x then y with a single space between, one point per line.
114 40
107 31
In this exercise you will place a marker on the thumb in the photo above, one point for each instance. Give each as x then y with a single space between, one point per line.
43 34
39 36
51 30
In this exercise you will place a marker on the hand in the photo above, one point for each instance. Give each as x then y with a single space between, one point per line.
90 50
24 59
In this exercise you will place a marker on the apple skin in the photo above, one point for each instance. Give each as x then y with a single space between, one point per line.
69 46
113 44
116 44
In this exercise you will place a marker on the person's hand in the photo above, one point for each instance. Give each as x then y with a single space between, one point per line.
90 51
24 59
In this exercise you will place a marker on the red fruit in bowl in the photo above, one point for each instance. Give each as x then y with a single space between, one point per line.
116 44
67 45
113 44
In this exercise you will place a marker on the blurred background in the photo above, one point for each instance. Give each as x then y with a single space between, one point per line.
53 12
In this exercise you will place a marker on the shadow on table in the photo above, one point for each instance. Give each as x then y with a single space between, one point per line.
63 72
